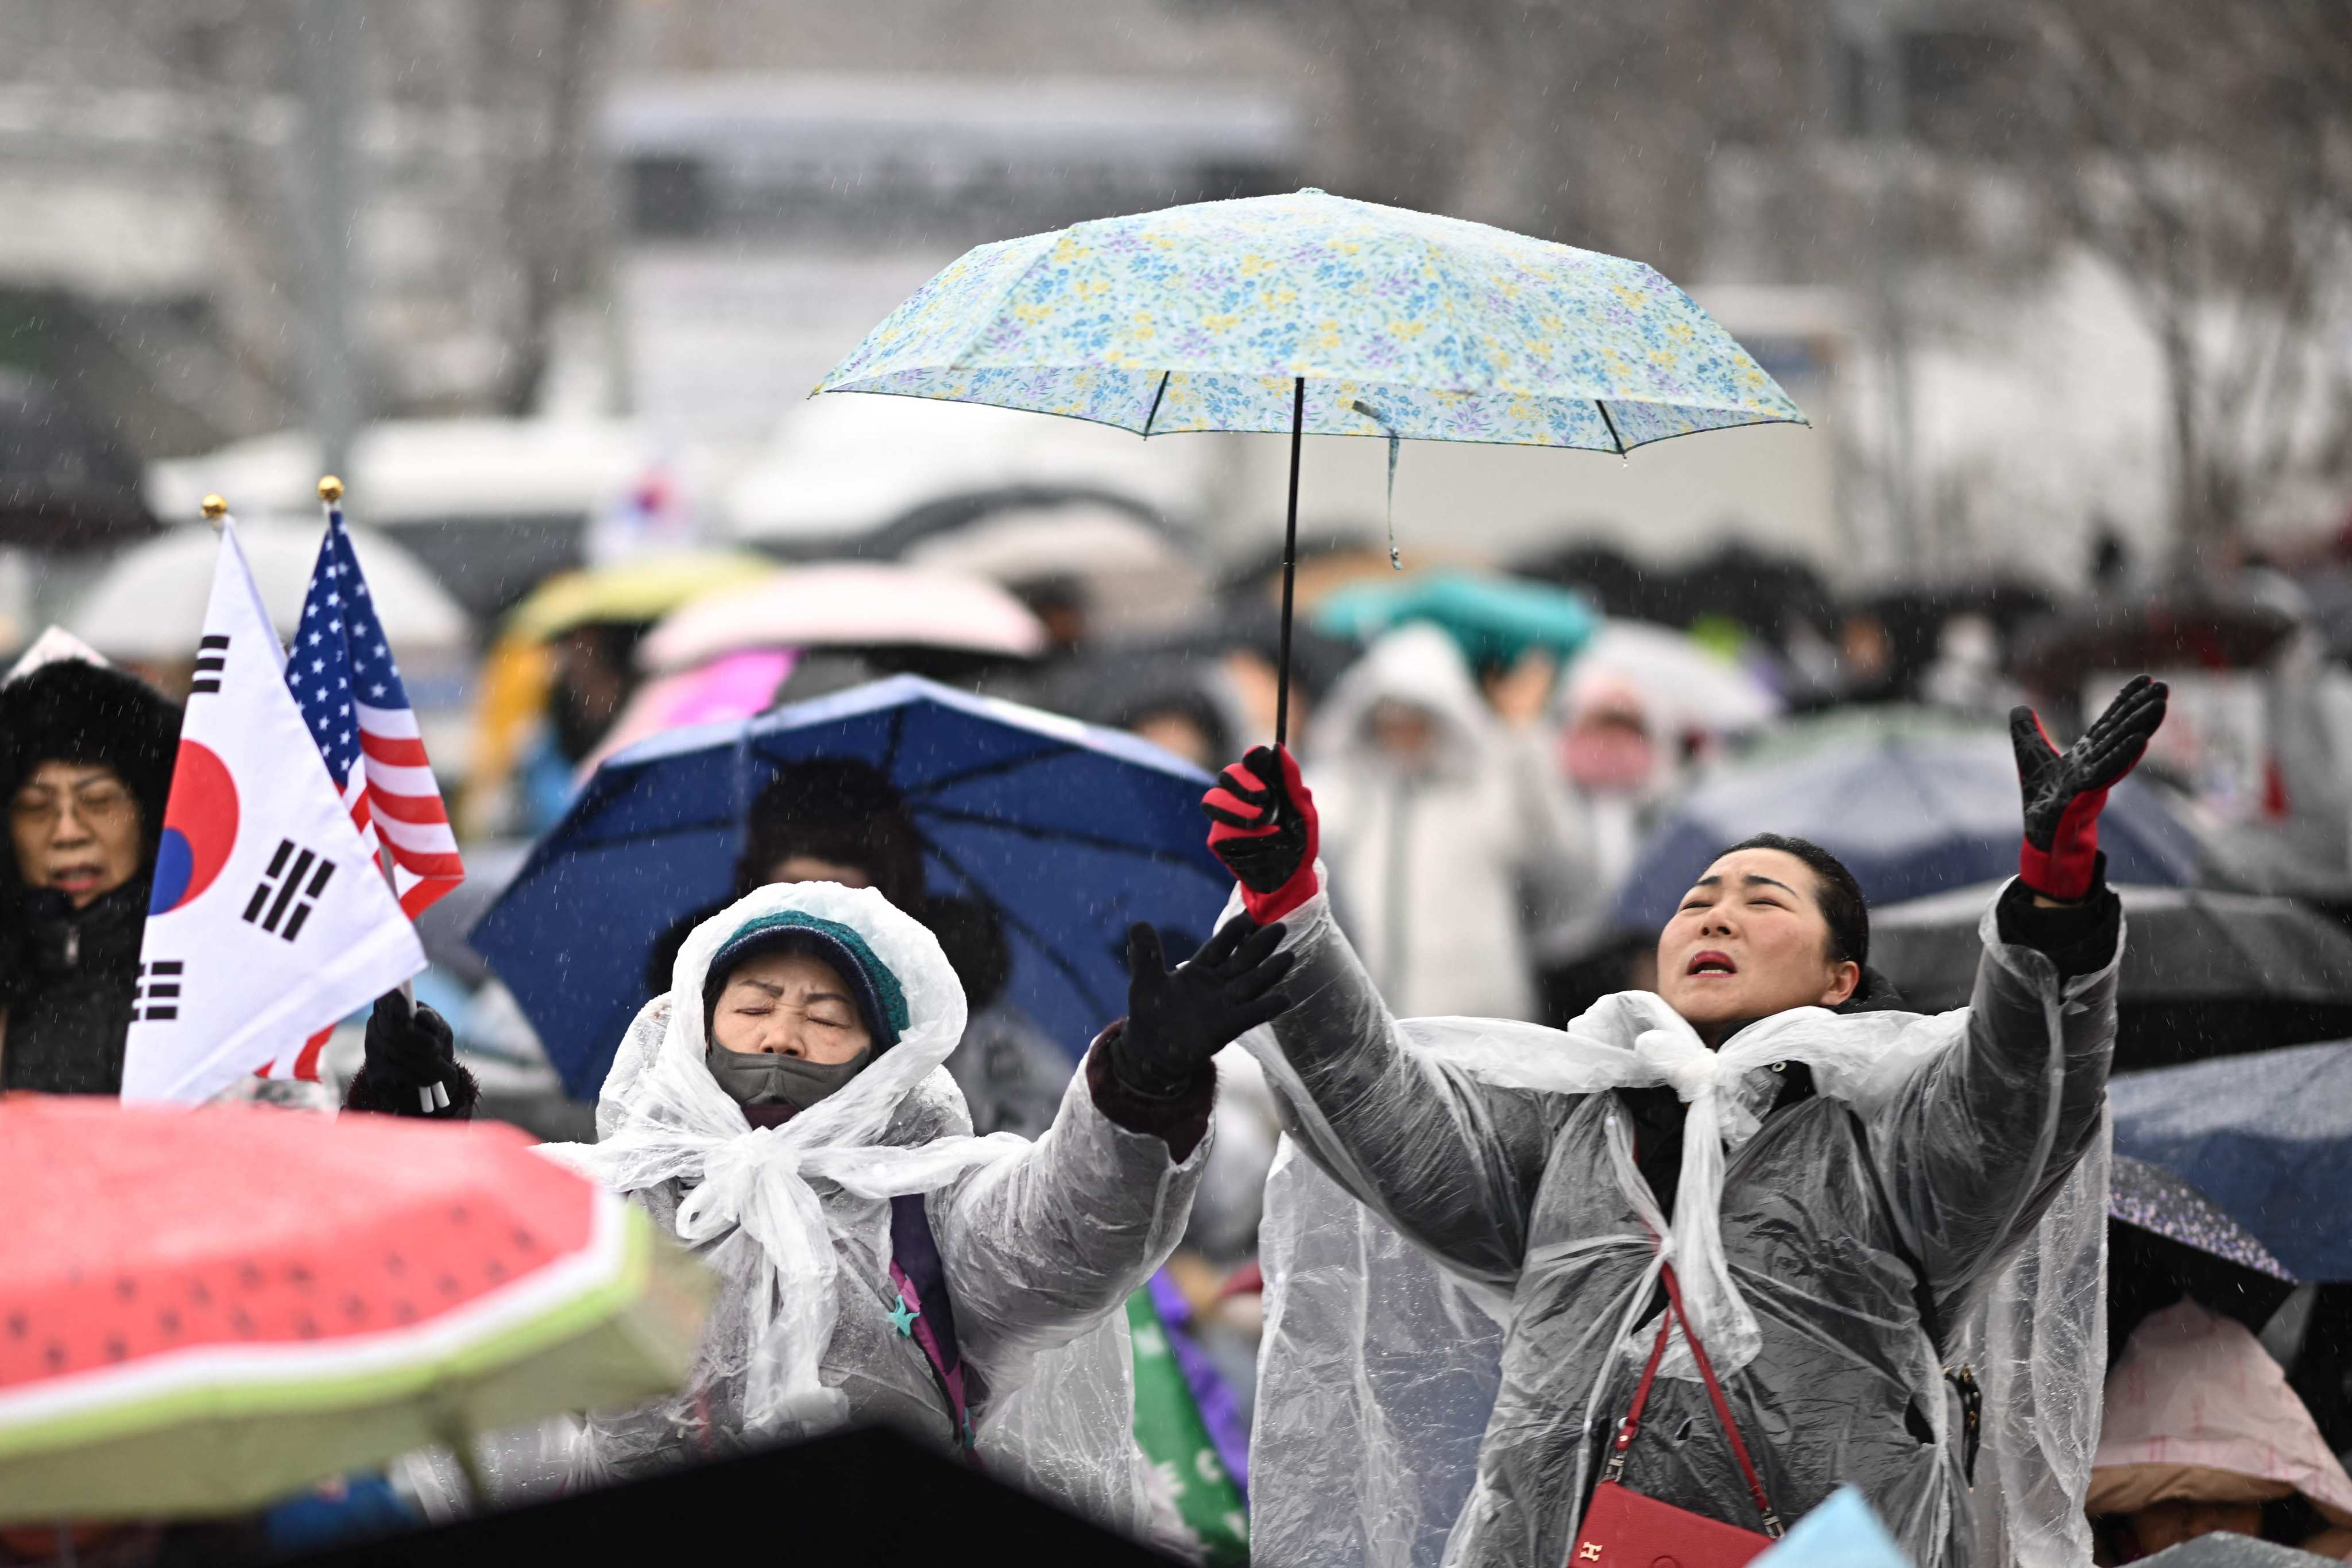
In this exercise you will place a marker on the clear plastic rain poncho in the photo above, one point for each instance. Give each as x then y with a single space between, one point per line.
1384 1377
796 1219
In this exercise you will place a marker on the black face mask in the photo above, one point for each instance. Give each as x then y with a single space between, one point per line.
754 1078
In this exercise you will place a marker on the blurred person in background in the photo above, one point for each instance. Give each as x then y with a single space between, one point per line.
1451 834
86 756
1610 757
2200 1435
839 820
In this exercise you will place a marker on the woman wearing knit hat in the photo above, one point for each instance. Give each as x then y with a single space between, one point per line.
783 1109
85 767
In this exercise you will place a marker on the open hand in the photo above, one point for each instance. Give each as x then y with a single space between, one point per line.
2064 791
1178 1018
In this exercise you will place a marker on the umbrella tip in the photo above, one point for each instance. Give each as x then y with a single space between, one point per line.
214 509
330 489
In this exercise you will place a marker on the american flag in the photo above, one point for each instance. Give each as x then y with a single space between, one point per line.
343 678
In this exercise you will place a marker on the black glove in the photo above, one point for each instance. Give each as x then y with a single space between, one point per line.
2065 791
1178 1018
411 1068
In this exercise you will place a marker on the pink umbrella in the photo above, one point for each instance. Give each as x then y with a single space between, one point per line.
734 686
847 604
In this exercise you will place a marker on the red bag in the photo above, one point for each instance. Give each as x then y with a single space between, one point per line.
1623 1528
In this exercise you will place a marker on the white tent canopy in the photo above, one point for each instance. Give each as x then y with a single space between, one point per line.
843 465
423 470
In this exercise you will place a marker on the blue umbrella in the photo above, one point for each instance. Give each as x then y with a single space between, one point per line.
2266 1137
1070 833
1910 812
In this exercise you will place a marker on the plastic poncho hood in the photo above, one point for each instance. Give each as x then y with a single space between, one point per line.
662 1118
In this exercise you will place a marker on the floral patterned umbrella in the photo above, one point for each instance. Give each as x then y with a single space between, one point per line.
1311 313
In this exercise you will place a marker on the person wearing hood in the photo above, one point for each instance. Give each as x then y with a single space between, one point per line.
1823 1202
784 1109
2202 1433
837 818
86 756
1450 836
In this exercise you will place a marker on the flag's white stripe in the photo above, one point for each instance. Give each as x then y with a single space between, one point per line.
426 838
201 1366
399 723
394 780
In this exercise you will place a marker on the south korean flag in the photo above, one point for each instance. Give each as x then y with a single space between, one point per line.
269 920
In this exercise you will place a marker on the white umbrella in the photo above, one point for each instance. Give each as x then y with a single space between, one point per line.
847 604
1685 685
149 605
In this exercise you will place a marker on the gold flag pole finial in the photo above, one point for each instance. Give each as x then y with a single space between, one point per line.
330 489
214 510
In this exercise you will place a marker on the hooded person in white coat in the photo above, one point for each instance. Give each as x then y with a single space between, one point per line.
784 1111
1450 834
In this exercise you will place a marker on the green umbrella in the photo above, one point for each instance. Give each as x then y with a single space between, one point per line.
1493 620
1313 313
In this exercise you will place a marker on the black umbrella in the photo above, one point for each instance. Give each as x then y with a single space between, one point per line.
2166 1240
64 485
2204 973
2158 633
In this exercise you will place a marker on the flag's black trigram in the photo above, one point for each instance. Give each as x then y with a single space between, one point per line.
282 888
212 657
156 996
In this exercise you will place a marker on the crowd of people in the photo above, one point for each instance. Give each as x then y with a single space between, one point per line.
1731 1211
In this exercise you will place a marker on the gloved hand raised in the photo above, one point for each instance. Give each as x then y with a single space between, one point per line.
1264 827
1178 1018
2066 791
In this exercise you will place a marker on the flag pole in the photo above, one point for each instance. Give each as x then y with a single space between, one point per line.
331 498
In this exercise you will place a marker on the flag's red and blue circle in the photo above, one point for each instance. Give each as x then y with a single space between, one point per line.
199 828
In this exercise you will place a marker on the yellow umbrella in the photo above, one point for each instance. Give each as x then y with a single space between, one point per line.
634 591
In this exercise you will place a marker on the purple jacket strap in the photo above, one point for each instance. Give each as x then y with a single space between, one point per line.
921 1278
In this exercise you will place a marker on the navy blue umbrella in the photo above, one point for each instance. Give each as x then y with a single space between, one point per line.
1910 810
2265 1137
1068 831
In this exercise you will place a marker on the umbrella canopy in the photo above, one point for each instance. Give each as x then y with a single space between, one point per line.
1069 832
1685 685
2166 1239
2267 1138
64 485
848 604
1204 316
632 592
2161 633
150 604
1910 813
1495 620
1310 313
2204 973
206 1310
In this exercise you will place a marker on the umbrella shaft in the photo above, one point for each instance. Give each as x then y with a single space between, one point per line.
1289 561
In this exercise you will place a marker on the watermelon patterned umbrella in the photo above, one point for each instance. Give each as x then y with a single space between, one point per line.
203 1310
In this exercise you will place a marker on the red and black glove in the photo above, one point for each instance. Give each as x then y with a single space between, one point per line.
2065 791
1262 824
